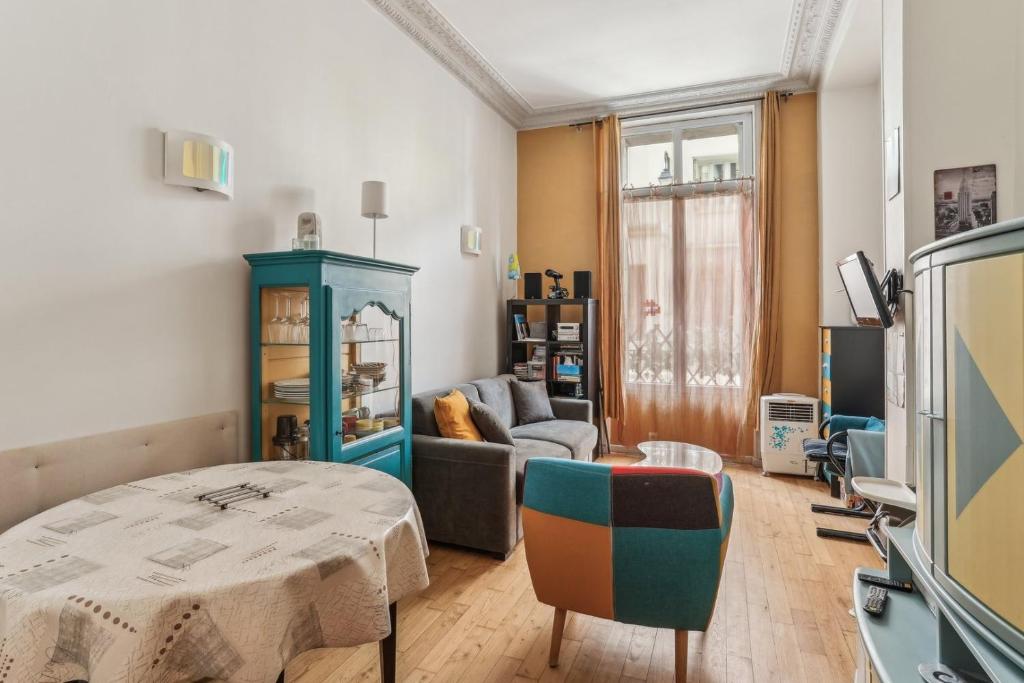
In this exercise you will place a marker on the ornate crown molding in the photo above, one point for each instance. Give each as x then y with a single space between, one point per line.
809 37
436 35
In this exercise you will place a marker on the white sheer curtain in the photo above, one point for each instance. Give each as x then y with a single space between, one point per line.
688 299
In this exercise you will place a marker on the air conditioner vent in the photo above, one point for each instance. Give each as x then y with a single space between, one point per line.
791 412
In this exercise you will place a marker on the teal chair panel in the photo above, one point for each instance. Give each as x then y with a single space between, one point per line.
666 578
569 488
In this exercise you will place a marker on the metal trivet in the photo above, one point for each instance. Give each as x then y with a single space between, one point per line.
233 494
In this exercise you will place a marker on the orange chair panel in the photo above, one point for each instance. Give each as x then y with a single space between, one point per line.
570 562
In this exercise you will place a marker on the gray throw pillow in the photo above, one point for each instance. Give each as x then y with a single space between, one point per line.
490 424
532 402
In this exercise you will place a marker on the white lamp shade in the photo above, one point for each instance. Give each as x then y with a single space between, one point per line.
375 199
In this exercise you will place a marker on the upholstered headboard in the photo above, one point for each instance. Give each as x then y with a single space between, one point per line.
36 478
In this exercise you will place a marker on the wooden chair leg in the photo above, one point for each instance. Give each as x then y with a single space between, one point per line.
681 644
556 635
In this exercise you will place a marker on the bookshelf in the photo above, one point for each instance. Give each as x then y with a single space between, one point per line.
546 314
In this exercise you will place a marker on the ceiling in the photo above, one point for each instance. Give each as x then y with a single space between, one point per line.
856 54
539 62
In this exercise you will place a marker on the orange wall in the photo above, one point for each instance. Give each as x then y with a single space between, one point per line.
799 326
558 215
557 202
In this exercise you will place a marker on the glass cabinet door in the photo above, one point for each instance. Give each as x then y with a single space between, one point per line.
284 373
370 374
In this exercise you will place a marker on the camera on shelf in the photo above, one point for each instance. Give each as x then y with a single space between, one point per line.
557 290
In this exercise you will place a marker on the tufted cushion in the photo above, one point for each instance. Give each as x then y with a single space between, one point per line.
453 420
579 437
496 393
532 402
490 424
423 421
532 448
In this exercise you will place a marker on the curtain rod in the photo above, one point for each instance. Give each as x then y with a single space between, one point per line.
785 95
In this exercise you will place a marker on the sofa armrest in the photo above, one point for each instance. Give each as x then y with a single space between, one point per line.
466 492
572 409
482 453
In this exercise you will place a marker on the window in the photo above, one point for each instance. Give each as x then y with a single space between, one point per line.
688 249
710 146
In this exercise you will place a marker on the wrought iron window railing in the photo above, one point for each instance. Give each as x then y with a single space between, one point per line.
711 357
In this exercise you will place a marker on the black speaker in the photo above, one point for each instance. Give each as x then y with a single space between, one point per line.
581 284
532 286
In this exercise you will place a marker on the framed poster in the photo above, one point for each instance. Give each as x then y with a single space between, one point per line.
965 198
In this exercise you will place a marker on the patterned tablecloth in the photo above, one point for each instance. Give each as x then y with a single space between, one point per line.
141 582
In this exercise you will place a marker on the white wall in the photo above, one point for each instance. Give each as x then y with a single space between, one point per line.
124 301
849 195
956 106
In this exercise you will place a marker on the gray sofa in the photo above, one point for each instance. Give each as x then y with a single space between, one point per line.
469 492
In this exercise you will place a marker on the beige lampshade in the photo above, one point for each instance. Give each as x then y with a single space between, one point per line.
375 199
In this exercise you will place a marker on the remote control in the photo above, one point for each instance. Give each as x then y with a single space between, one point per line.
893 584
875 602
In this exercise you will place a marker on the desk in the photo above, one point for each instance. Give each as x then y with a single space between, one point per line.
142 582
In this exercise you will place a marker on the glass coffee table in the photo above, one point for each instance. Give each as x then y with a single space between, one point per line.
682 455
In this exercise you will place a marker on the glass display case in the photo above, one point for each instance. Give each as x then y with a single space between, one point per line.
331 351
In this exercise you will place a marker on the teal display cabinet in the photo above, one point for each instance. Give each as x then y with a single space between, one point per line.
331 348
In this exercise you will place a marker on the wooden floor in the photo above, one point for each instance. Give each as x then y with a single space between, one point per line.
782 612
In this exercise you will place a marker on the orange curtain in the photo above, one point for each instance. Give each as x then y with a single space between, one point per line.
765 370
606 152
688 288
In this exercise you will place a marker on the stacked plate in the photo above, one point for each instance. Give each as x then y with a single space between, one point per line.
376 371
292 390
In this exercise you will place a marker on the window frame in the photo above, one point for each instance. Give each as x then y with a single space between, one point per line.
747 116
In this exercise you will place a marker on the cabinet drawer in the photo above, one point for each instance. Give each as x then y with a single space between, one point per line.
388 460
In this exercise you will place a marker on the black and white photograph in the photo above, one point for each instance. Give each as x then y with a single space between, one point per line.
965 198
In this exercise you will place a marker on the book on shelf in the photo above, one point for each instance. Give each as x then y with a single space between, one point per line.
529 371
522 331
567 365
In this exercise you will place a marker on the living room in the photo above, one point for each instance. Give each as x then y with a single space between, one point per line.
436 340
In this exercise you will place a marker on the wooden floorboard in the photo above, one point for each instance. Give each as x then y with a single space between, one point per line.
782 612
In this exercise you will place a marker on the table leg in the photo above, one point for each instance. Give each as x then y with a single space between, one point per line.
388 650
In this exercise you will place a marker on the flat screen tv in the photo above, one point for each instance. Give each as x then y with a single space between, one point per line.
864 292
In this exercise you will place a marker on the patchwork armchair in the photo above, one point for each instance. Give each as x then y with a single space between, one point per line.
642 546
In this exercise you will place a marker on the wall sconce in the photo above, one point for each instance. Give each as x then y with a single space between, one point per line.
199 161
471 239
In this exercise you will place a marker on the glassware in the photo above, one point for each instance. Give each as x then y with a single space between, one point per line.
361 333
274 326
304 322
376 334
294 323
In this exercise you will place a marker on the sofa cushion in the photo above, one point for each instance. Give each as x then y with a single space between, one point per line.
423 421
490 424
496 393
533 448
578 437
532 402
453 420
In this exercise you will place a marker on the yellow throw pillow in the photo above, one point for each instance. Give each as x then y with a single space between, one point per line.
453 419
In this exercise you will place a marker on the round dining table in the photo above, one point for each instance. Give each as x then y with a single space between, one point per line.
171 579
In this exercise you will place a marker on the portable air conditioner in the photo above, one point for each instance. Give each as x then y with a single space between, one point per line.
786 420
